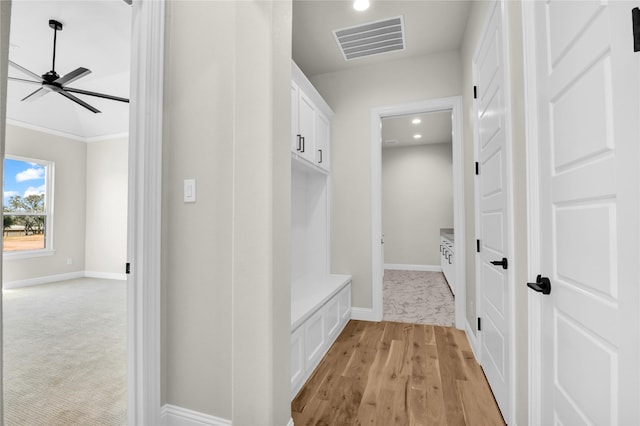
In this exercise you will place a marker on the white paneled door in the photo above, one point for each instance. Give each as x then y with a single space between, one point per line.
587 89
494 289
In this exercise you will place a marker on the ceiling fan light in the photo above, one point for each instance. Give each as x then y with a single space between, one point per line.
361 5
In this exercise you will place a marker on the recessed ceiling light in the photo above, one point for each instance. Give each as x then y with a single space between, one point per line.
416 121
417 136
361 5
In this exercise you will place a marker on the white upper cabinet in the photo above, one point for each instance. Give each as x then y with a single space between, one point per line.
310 122
321 153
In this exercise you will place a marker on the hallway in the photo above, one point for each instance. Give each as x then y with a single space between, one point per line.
393 373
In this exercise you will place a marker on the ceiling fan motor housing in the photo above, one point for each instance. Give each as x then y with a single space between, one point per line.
55 24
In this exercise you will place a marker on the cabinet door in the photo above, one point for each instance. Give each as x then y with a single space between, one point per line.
295 133
314 340
332 318
297 357
345 304
322 141
306 127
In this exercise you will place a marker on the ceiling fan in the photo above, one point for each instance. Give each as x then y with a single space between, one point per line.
52 82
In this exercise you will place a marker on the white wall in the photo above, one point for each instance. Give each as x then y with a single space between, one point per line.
106 200
417 200
226 271
352 94
69 157
90 204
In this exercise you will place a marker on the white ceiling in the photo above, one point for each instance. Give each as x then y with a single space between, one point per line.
430 26
434 127
97 36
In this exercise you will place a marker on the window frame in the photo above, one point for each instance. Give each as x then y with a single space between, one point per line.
48 249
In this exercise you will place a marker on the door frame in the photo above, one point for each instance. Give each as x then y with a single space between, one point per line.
453 104
144 206
144 227
534 305
498 7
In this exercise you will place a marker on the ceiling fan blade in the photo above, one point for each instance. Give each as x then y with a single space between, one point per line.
72 76
26 71
99 95
22 80
78 101
36 95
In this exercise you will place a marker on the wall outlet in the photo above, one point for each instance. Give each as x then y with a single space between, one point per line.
69 261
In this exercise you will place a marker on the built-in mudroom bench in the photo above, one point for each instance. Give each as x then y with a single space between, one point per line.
320 301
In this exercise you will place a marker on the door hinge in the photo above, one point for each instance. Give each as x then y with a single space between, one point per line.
479 324
475 92
477 246
127 268
477 168
635 18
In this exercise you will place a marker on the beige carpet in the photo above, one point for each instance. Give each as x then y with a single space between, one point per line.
65 353
417 297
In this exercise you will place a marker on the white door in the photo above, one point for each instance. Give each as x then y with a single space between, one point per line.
588 122
493 212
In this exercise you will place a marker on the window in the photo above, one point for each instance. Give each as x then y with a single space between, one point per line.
27 207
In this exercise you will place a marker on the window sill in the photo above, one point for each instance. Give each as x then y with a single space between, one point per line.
26 254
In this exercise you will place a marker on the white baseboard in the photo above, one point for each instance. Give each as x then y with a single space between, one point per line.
171 415
472 339
105 275
405 267
42 280
62 277
363 314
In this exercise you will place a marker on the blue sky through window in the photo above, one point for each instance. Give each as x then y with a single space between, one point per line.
22 178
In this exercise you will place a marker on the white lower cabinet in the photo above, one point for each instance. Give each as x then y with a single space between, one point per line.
297 357
315 333
332 318
314 338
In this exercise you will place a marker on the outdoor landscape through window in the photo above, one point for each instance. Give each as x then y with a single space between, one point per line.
25 207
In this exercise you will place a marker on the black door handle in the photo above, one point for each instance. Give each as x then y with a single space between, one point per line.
502 263
542 285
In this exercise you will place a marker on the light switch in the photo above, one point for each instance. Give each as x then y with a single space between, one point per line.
189 190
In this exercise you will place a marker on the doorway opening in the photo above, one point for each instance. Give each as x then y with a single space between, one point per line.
66 178
417 219
452 107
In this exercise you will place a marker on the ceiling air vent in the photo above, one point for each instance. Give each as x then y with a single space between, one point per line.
373 38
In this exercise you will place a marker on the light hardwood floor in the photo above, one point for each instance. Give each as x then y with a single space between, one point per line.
391 373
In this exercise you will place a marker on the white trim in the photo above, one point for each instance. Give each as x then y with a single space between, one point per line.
45 130
533 214
27 254
171 415
144 228
471 337
405 267
364 314
29 282
454 104
105 275
107 137
66 135
290 422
